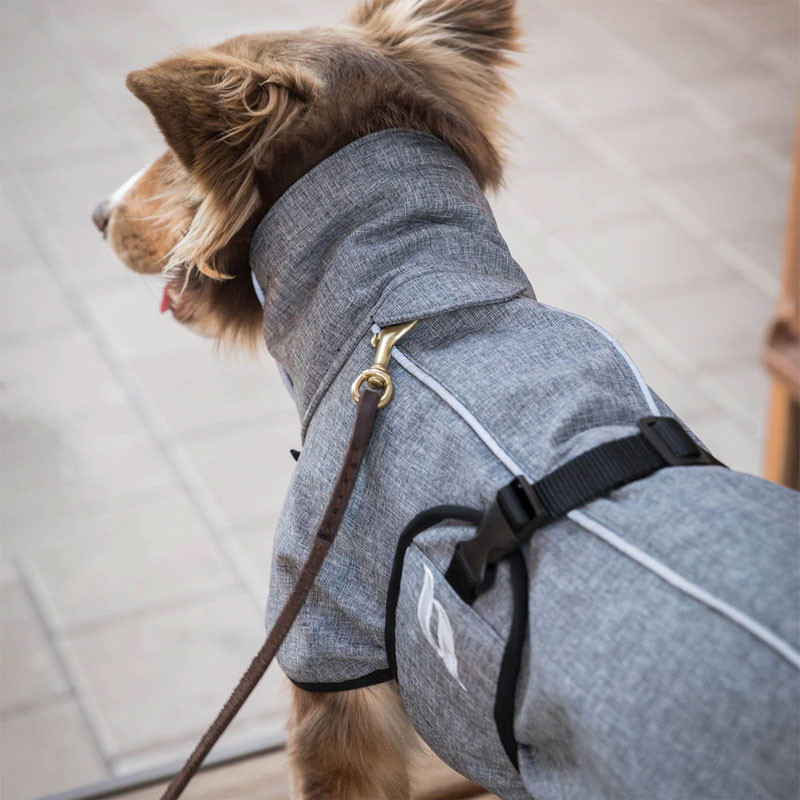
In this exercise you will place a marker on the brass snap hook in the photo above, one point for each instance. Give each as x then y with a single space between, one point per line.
377 375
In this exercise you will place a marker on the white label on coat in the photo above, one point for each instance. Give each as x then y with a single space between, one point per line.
443 643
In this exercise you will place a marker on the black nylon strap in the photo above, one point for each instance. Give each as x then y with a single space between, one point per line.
522 508
597 472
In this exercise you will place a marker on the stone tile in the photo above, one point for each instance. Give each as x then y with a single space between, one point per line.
32 304
247 468
552 43
110 36
777 136
58 375
689 53
629 19
67 188
537 144
266 729
46 749
208 22
82 125
8 575
65 191
264 777
130 317
667 141
29 673
646 255
750 95
785 56
149 553
32 74
663 36
732 195
18 249
572 199
768 22
711 323
58 459
598 94
200 388
764 245
184 664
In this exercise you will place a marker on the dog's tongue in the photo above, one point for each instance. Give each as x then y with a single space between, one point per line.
166 301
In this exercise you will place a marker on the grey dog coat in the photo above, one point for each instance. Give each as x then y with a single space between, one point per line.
661 652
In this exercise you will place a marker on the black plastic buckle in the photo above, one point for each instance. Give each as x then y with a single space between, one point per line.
520 505
671 441
516 513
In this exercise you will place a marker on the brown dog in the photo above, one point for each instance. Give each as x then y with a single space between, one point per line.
243 121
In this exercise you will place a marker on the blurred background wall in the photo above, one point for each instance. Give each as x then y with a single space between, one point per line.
142 473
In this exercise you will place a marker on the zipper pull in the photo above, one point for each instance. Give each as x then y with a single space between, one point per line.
377 375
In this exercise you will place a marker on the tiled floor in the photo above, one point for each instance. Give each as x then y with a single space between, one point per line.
142 472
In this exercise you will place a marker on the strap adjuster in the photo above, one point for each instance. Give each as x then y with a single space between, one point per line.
671 441
511 519
520 509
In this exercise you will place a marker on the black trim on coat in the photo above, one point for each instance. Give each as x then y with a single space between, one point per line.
505 699
370 679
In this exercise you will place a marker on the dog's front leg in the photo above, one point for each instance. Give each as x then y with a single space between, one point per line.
353 745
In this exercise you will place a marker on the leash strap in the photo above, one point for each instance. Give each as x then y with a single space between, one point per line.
521 508
326 532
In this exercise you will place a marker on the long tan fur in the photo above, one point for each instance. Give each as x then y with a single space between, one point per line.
352 745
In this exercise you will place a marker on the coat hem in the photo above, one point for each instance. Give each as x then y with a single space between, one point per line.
370 679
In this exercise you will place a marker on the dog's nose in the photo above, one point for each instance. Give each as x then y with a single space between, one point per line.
100 215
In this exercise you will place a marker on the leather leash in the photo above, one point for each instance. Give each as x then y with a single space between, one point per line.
369 400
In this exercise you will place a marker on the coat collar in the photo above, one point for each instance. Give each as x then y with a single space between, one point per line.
390 228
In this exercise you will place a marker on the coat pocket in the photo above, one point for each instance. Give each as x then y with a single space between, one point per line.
456 671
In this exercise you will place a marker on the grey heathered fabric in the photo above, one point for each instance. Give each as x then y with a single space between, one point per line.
630 688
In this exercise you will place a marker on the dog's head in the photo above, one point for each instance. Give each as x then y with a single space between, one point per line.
247 118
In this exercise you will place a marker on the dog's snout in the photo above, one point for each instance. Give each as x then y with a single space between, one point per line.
100 215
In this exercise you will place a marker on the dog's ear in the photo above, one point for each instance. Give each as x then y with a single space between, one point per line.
485 30
220 114
212 107
458 46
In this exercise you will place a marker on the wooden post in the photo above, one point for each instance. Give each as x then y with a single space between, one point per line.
782 354
783 435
